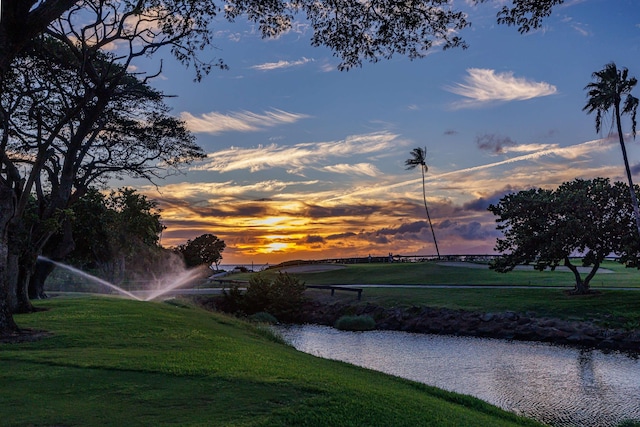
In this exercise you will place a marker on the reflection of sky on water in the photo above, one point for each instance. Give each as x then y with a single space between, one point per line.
556 385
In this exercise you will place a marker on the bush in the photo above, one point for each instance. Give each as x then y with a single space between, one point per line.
286 297
232 300
257 297
263 317
355 323
282 297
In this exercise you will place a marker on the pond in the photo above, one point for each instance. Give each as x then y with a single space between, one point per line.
556 385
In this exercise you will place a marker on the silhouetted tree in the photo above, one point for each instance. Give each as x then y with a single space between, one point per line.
205 249
68 129
418 159
547 228
606 93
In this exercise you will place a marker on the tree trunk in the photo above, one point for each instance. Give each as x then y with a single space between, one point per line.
7 207
424 197
20 264
582 287
56 250
38 279
632 191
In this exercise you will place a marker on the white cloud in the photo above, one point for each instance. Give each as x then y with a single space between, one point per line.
297 157
581 30
268 66
243 121
470 177
356 169
484 86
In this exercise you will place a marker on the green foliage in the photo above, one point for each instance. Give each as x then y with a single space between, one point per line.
286 296
258 294
203 250
355 323
544 227
281 296
263 317
114 231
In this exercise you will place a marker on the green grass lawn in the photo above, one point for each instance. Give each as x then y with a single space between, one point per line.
117 362
431 273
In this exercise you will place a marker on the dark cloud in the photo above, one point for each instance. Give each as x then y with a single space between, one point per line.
313 239
220 210
341 236
406 228
481 204
314 211
493 143
474 231
635 169
446 224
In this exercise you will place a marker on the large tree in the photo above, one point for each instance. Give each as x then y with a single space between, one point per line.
418 159
354 31
115 235
611 91
590 219
203 250
66 129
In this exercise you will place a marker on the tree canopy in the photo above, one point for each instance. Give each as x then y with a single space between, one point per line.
203 250
590 219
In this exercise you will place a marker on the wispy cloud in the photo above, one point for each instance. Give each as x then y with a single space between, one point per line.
268 66
580 28
357 169
297 157
482 86
241 121
562 155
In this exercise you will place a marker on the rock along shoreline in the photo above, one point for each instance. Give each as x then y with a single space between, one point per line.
507 325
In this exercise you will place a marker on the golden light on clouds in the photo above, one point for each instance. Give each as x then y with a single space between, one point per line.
315 216
276 247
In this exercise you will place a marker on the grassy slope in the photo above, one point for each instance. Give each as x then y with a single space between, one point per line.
119 362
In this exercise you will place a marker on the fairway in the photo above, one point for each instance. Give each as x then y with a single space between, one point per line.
610 275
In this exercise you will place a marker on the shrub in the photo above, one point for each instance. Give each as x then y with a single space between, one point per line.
355 323
263 317
232 300
282 297
257 297
286 296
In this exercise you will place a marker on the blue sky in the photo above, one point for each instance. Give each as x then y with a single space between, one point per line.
307 162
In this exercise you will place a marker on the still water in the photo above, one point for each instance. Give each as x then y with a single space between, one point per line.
556 385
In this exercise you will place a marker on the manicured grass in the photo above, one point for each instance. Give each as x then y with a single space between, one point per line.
117 362
620 309
432 273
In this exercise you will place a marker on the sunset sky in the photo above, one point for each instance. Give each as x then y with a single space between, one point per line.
307 162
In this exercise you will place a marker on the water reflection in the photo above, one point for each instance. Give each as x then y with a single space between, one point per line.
556 385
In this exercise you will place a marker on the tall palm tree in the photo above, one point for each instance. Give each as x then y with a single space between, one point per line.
418 158
607 91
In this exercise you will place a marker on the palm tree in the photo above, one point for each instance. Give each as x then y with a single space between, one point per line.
610 85
418 156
